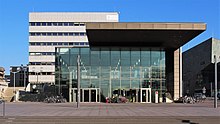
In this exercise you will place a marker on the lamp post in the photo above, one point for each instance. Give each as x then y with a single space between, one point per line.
14 73
23 68
215 101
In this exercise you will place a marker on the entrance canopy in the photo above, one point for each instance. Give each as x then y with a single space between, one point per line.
166 35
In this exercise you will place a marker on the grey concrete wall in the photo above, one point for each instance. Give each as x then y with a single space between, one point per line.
195 60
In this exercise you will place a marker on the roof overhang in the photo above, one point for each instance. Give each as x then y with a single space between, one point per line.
165 35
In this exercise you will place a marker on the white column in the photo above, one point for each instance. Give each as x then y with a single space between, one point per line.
70 86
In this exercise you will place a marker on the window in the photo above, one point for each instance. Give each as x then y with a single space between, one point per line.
38 24
49 24
37 44
43 34
44 24
32 44
49 34
70 44
66 44
76 34
49 53
54 23
54 44
38 34
59 43
44 54
81 34
43 63
38 54
54 34
60 34
32 24
76 43
82 24
49 44
65 34
60 24
81 43
31 54
71 24
76 24
32 34
65 24
44 44
70 34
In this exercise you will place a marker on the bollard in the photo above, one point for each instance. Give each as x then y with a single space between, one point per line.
156 96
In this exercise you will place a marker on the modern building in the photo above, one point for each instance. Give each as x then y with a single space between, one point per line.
48 30
20 74
198 67
133 60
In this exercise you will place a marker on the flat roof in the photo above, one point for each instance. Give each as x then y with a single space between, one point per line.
124 34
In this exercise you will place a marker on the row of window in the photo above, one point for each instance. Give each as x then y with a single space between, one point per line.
41 73
58 43
57 34
56 24
41 63
41 53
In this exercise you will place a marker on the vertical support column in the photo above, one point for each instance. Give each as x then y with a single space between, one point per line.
70 86
82 95
96 95
90 93
181 70
110 84
176 74
136 95
215 99
150 94
147 95
140 95
78 80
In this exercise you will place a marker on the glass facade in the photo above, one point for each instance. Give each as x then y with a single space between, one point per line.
112 70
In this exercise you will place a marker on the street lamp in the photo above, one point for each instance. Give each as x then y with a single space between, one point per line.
24 69
215 102
14 72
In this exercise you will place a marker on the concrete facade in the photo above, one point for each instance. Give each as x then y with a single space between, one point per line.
198 67
48 30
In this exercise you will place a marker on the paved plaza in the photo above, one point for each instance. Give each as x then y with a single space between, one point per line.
53 113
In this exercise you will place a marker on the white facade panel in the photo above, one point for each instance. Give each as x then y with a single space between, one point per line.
41 68
57 29
41 48
58 38
41 78
73 17
41 58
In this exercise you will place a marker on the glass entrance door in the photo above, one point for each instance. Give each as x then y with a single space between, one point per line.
93 95
86 95
145 95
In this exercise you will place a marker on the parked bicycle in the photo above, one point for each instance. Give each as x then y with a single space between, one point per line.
55 99
199 97
189 99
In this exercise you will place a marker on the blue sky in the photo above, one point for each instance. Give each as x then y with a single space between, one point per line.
14 19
